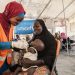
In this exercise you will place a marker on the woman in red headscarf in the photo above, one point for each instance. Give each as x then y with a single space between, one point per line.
12 15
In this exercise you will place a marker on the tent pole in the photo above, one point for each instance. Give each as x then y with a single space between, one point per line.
44 8
20 1
65 8
65 27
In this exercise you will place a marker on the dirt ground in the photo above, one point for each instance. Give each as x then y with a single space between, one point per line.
66 63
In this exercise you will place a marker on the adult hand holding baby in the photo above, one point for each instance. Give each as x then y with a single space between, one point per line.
37 44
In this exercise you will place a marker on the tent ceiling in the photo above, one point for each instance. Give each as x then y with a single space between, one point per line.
53 10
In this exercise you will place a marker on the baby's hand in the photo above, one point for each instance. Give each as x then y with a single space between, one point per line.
32 50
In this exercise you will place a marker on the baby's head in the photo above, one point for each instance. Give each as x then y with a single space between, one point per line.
37 44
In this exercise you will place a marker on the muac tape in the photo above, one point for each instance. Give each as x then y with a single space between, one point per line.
25 27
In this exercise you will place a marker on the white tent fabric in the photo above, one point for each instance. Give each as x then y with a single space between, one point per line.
53 10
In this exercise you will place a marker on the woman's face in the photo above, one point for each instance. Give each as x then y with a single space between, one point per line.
16 20
37 28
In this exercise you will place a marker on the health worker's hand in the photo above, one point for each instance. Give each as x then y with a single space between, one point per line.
20 44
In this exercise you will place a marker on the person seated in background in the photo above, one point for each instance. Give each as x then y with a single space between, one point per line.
28 38
57 36
17 37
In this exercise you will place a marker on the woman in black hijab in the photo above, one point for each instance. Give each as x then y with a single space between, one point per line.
47 54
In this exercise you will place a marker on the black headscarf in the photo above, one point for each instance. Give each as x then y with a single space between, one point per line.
45 35
44 28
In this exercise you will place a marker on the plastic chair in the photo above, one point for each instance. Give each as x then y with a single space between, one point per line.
57 54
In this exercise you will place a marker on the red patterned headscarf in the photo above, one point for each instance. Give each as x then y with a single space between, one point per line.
12 9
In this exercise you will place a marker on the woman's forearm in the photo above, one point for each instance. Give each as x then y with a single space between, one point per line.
5 45
17 71
38 62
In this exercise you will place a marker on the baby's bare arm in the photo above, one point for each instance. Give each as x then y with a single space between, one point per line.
17 71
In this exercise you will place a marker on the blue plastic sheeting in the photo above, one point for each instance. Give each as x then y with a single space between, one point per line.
25 27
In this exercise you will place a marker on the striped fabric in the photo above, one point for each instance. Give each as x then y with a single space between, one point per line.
39 71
